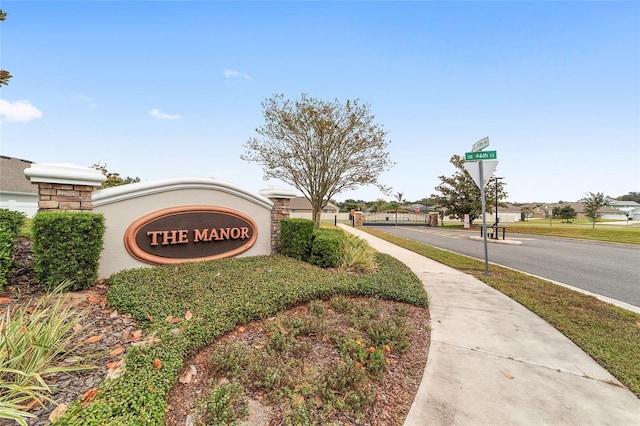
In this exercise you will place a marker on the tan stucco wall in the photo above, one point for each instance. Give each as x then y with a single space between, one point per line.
122 209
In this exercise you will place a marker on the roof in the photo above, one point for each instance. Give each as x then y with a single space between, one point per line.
301 203
12 177
618 204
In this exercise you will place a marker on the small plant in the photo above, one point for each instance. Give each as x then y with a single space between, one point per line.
316 308
341 304
229 360
225 405
389 331
32 341
347 388
356 255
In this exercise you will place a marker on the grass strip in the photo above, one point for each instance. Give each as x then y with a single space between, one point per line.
607 333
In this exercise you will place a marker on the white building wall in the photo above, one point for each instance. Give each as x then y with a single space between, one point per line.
21 202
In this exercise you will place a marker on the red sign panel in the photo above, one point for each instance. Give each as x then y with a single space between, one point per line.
190 233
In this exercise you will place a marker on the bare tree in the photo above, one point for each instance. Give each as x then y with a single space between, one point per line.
320 148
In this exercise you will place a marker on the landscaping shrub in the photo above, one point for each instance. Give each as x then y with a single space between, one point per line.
33 342
295 238
67 246
12 221
6 256
325 248
356 255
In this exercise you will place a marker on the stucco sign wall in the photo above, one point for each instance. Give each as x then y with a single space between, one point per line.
181 219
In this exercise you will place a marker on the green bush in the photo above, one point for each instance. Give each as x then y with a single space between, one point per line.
356 255
12 221
6 255
67 246
295 238
325 248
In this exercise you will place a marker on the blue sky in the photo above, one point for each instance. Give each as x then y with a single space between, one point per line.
159 89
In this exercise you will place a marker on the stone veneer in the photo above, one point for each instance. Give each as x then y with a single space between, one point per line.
281 200
60 196
64 187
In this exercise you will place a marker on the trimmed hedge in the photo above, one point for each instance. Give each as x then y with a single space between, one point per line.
296 236
67 246
6 255
12 221
325 247
10 224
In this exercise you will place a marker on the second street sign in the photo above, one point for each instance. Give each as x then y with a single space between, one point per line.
480 155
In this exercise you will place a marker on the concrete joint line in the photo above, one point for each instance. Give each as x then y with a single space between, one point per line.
527 363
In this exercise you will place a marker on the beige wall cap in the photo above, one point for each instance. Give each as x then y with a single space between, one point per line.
65 174
274 192
142 189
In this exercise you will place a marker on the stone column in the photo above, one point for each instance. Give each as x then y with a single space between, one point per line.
359 219
281 199
64 187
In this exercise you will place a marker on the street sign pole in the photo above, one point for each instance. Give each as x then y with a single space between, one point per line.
484 220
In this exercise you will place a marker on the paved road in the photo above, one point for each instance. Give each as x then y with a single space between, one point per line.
607 269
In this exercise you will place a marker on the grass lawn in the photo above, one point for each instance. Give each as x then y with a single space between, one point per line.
609 334
577 229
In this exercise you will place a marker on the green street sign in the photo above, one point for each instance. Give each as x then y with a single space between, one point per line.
480 155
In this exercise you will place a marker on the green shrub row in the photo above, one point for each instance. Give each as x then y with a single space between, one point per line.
12 221
230 292
326 247
300 240
67 246
6 256
295 238
10 224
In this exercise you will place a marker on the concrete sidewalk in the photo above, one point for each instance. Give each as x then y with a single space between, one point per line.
493 362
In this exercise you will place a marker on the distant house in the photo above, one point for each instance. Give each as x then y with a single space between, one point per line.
624 209
302 205
16 191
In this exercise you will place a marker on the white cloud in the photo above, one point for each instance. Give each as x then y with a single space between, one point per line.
18 111
156 113
229 73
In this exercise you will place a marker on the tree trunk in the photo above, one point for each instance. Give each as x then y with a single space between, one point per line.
316 216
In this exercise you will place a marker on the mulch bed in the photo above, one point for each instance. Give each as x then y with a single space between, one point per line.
110 333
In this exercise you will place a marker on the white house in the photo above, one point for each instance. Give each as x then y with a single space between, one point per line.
16 191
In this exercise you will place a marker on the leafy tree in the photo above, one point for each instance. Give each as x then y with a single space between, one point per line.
320 148
459 194
113 179
378 205
565 212
392 205
350 203
631 196
429 202
4 74
592 204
